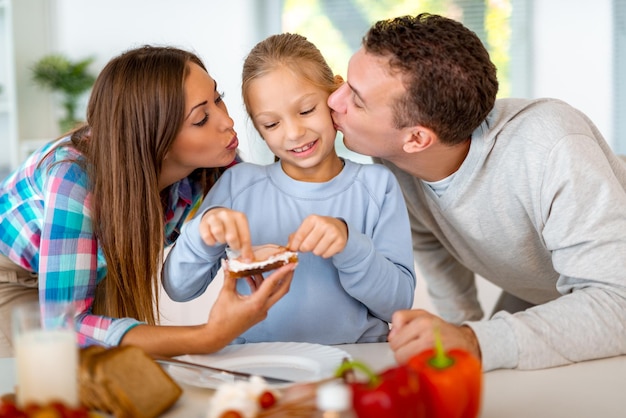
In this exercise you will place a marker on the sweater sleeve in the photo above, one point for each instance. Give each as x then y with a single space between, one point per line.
68 256
451 285
191 264
378 270
583 203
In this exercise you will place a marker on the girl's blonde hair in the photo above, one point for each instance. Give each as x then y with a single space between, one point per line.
287 50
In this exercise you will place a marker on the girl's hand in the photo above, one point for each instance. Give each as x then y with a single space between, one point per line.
324 236
226 226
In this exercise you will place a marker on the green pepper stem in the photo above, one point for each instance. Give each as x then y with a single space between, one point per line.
440 360
374 379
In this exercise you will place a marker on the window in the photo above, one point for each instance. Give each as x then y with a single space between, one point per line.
337 27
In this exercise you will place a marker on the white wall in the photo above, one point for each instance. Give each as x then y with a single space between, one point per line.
220 33
573 58
572 49
32 40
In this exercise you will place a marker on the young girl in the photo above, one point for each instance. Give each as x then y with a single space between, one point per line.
85 218
348 221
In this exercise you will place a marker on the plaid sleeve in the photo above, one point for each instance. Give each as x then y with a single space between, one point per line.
68 257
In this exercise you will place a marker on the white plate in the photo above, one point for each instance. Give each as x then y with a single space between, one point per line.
299 362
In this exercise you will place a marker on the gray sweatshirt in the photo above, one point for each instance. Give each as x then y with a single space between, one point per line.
538 208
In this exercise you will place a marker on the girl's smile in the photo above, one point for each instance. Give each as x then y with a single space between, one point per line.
302 151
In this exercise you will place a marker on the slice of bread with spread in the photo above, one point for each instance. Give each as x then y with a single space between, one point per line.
125 382
267 257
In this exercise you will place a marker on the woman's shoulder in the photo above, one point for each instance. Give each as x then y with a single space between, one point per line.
56 152
51 169
61 161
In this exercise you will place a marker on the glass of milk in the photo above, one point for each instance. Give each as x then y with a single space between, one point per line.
46 353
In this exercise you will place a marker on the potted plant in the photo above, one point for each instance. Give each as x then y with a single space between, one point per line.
70 78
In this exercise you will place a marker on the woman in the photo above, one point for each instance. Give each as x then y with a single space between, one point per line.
85 219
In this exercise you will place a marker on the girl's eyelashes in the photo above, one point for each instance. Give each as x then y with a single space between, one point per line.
274 124
306 112
270 125
203 121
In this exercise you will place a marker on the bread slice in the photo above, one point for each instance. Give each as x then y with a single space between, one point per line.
126 382
91 395
267 257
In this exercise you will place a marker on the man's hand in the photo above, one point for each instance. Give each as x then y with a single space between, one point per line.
413 332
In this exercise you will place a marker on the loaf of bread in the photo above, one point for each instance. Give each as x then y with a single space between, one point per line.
125 382
266 257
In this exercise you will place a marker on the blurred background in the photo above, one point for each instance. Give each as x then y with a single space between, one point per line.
574 50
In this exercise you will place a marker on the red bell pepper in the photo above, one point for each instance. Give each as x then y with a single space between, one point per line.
451 382
393 393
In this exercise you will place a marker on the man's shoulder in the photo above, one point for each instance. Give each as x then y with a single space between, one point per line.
510 110
388 167
542 122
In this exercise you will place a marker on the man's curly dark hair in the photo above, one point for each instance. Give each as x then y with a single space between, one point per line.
450 80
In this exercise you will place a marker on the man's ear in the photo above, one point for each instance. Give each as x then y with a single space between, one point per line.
418 138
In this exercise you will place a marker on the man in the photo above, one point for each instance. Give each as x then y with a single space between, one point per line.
525 193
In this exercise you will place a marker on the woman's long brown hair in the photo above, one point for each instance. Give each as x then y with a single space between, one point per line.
135 111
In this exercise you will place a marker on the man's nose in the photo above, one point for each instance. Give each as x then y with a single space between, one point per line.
336 101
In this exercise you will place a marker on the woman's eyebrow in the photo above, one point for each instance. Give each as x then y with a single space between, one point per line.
193 108
203 103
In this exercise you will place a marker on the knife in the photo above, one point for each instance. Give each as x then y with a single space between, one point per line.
216 370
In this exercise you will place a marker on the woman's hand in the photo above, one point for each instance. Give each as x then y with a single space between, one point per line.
226 226
412 332
233 313
324 236
254 282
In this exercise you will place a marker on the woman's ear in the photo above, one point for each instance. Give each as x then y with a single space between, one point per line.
338 80
417 139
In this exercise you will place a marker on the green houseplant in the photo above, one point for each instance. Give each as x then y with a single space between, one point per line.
70 78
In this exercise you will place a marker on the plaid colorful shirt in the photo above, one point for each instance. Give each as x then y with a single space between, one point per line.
46 228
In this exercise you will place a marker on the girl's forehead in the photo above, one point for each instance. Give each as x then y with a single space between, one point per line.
309 73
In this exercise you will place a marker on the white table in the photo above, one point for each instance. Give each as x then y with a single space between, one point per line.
592 389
